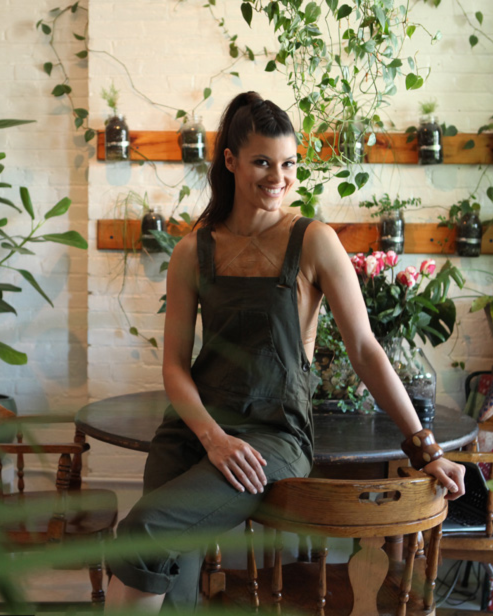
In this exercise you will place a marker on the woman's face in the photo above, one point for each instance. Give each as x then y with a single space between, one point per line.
264 170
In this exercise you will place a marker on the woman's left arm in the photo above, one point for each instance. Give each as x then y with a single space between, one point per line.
326 264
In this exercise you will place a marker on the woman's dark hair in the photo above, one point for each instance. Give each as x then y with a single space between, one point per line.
247 113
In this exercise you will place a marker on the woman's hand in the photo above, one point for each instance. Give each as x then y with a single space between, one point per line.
449 474
238 461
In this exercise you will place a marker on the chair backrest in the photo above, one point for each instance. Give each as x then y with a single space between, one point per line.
358 508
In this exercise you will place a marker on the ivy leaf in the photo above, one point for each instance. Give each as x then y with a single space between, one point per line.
46 28
469 144
79 37
69 238
372 139
308 122
361 179
207 93
343 174
449 131
153 342
410 30
31 280
344 11
250 54
82 54
74 7
81 112
59 209
479 17
180 114
271 66
3 222
89 134
473 40
234 73
61 89
184 192
11 356
134 331
380 15
48 67
346 189
332 4
396 63
312 12
26 201
247 12
413 82
78 122
164 266
489 193
307 210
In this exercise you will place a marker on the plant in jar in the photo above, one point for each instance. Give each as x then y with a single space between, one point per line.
117 139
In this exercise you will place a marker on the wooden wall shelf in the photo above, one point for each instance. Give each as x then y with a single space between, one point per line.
421 238
389 148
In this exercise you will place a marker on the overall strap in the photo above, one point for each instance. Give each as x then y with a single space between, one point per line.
291 265
205 252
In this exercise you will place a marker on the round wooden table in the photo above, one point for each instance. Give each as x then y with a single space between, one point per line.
130 421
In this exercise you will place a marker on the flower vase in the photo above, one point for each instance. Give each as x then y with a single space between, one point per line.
392 231
468 236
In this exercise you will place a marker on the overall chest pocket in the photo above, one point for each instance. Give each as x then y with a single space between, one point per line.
239 355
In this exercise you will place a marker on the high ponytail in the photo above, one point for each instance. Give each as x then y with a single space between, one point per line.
247 113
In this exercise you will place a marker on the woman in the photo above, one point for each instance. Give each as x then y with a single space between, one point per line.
241 416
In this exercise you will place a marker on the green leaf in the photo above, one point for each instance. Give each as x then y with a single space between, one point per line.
271 66
318 190
61 89
6 286
308 123
79 37
207 93
134 331
80 112
26 201
74 7
344 11
346 189
164 266
481 302
307 210
361 179
413 82
3 222
152 342
473 40
332 4
11 356
247 12
89 134
469 144
78 122
6 307
31 280
250 54
10 123
59 209
48 67
186 217
380 15
10 204
449 131
180 114
82 54
410 30
396 63
345 173
69 238
312 12
46 28
479 16
20 249
234 73
184 192
489 193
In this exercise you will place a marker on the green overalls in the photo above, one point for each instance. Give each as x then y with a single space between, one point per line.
254 378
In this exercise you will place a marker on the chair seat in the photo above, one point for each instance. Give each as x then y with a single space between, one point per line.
300 582
80 521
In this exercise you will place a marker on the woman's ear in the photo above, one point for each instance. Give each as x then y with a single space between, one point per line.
229 160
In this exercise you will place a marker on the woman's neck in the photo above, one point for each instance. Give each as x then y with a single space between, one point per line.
243 223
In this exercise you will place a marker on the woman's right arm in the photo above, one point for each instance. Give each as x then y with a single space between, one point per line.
238 461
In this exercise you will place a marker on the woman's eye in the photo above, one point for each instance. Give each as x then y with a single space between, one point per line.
290 163
261 162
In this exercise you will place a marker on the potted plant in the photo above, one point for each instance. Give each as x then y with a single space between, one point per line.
116 135
464 216
392 222
429 133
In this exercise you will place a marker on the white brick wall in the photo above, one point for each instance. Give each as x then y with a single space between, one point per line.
82 349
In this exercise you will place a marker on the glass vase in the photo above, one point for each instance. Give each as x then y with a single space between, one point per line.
430 149
152 221
117 141
351 143
468 236
392 231
192 140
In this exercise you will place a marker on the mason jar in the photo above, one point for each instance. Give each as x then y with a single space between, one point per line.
468 235
430 148
192 140
351 142
152 221
116 139
392 231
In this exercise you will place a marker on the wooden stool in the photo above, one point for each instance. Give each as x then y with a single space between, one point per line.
369 510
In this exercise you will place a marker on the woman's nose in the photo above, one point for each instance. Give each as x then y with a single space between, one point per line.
275 173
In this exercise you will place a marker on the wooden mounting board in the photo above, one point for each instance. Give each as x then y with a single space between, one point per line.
390 148
421 238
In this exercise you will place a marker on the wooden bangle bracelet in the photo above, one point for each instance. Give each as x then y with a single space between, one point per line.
421 448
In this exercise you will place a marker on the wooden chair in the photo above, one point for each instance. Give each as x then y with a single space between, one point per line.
64 516
369 510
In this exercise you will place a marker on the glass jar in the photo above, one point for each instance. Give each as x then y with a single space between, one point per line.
192 140
468 235
392 231
430 149
152 221
352 142
117 140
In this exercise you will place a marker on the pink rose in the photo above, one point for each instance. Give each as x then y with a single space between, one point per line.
358 262
428 267
409 277
373 266
391 258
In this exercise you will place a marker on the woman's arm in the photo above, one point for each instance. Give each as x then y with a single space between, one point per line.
240 463
326 264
